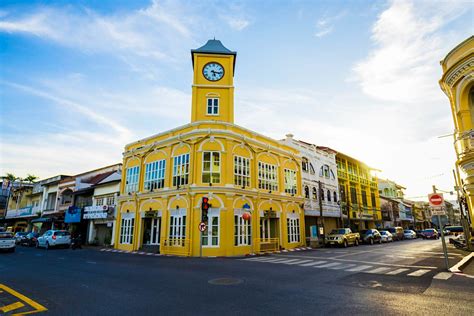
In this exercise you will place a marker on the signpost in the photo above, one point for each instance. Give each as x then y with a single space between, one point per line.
436 202
202 227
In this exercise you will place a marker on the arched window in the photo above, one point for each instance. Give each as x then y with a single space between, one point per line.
304 164
306 192
315 194
311 168
321 193
335 196
329 196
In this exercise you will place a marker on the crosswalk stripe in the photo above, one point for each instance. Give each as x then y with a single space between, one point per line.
327 265
397 271
266 259
312 263
254 259
359 268
290 260
278 260
378 270
299 261
344 266
418 273
443 276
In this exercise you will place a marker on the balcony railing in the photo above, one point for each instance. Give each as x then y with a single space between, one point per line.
175 246
364 181
264 245
353 177
342 174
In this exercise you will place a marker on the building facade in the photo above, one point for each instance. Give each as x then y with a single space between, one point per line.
360 201
251 181
457 83
320 188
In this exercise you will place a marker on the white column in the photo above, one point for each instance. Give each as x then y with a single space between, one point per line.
113 232
90 238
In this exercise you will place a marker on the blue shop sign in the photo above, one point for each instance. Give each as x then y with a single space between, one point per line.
73 215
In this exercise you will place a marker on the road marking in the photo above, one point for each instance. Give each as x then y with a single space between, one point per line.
343 266
287 261
402 257
418 273
272 260
91 262
443 276
359 268
277 261
257 259
11 307
299 261
378 270
327 265
312 263
397 271
38 307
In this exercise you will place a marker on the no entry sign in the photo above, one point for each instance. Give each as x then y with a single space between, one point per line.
202 226
436 199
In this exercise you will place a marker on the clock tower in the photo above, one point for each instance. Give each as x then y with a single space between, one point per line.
213 83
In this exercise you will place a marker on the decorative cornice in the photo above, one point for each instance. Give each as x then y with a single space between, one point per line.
459 71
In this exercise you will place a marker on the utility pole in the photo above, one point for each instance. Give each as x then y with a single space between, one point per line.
464 220
321 218
445 250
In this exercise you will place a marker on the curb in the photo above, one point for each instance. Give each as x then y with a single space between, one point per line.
457 268
141 253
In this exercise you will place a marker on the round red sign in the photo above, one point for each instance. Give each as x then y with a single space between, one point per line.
436 199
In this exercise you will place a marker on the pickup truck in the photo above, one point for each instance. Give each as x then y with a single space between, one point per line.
342 237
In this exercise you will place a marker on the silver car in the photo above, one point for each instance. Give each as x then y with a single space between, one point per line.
7 241
386 236
54 238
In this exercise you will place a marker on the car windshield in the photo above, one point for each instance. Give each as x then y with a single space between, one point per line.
22 233
6 236
364 231
338 231
62 233
407 231
383 232
392 230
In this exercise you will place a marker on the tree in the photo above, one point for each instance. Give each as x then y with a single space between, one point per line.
10 177
30 178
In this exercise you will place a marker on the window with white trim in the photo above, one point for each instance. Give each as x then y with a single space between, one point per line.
242 229
241 171
290 181
111 200
155 175
99 201
210 238
131 180
177 232
126 230
315 193
211 167
267 176
293 227
181 170
212 106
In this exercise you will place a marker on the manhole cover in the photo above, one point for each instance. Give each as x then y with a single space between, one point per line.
225 281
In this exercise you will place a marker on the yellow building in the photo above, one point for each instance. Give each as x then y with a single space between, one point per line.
457 83
360 201
241 172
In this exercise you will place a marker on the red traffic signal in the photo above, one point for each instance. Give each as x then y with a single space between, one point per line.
204 208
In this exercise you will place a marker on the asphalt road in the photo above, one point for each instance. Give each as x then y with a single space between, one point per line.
391 279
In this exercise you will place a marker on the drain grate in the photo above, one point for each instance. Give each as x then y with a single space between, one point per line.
225 281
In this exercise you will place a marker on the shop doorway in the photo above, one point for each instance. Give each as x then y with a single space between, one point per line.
269 235
151 234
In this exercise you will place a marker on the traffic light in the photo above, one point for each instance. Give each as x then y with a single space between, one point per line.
204 209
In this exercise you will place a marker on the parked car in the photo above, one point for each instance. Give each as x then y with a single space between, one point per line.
409 234
419 233
370 236
397 233
19 236
54 238
430 233
30 239
342 237
7 241
454 230
386 236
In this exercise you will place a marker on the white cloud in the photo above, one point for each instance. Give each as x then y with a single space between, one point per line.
237 24
403 66
325 25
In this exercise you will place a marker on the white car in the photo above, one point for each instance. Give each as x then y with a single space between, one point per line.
409 234
7 241
54 238
386 236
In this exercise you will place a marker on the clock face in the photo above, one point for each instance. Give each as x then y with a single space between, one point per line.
213 71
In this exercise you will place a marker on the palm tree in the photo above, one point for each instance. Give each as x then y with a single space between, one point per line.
10 177
30 178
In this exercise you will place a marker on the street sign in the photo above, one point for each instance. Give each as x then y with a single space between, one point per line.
436 199
438 211
202 227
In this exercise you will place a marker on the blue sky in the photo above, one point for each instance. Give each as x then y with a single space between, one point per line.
79 80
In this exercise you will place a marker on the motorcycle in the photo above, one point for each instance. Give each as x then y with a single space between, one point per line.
76 243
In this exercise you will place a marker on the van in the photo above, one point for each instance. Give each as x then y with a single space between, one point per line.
397 233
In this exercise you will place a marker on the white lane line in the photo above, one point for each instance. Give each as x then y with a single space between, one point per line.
418 273
328 265
312 263
443 276
299 261
359 268
397 271
378 270
344 266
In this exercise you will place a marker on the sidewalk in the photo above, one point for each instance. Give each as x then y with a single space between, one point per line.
469 268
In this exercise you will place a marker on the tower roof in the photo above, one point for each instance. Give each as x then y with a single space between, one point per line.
213 46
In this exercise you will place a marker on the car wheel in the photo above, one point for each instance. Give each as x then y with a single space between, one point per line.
371 241
356 242
46 246
345 244
37 245
380 241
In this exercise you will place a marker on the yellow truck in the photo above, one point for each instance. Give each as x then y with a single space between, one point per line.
342 237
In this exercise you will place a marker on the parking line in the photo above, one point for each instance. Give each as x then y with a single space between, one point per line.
38 307
11 307
397 271
418 273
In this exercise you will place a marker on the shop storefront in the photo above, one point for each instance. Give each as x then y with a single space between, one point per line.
100 224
